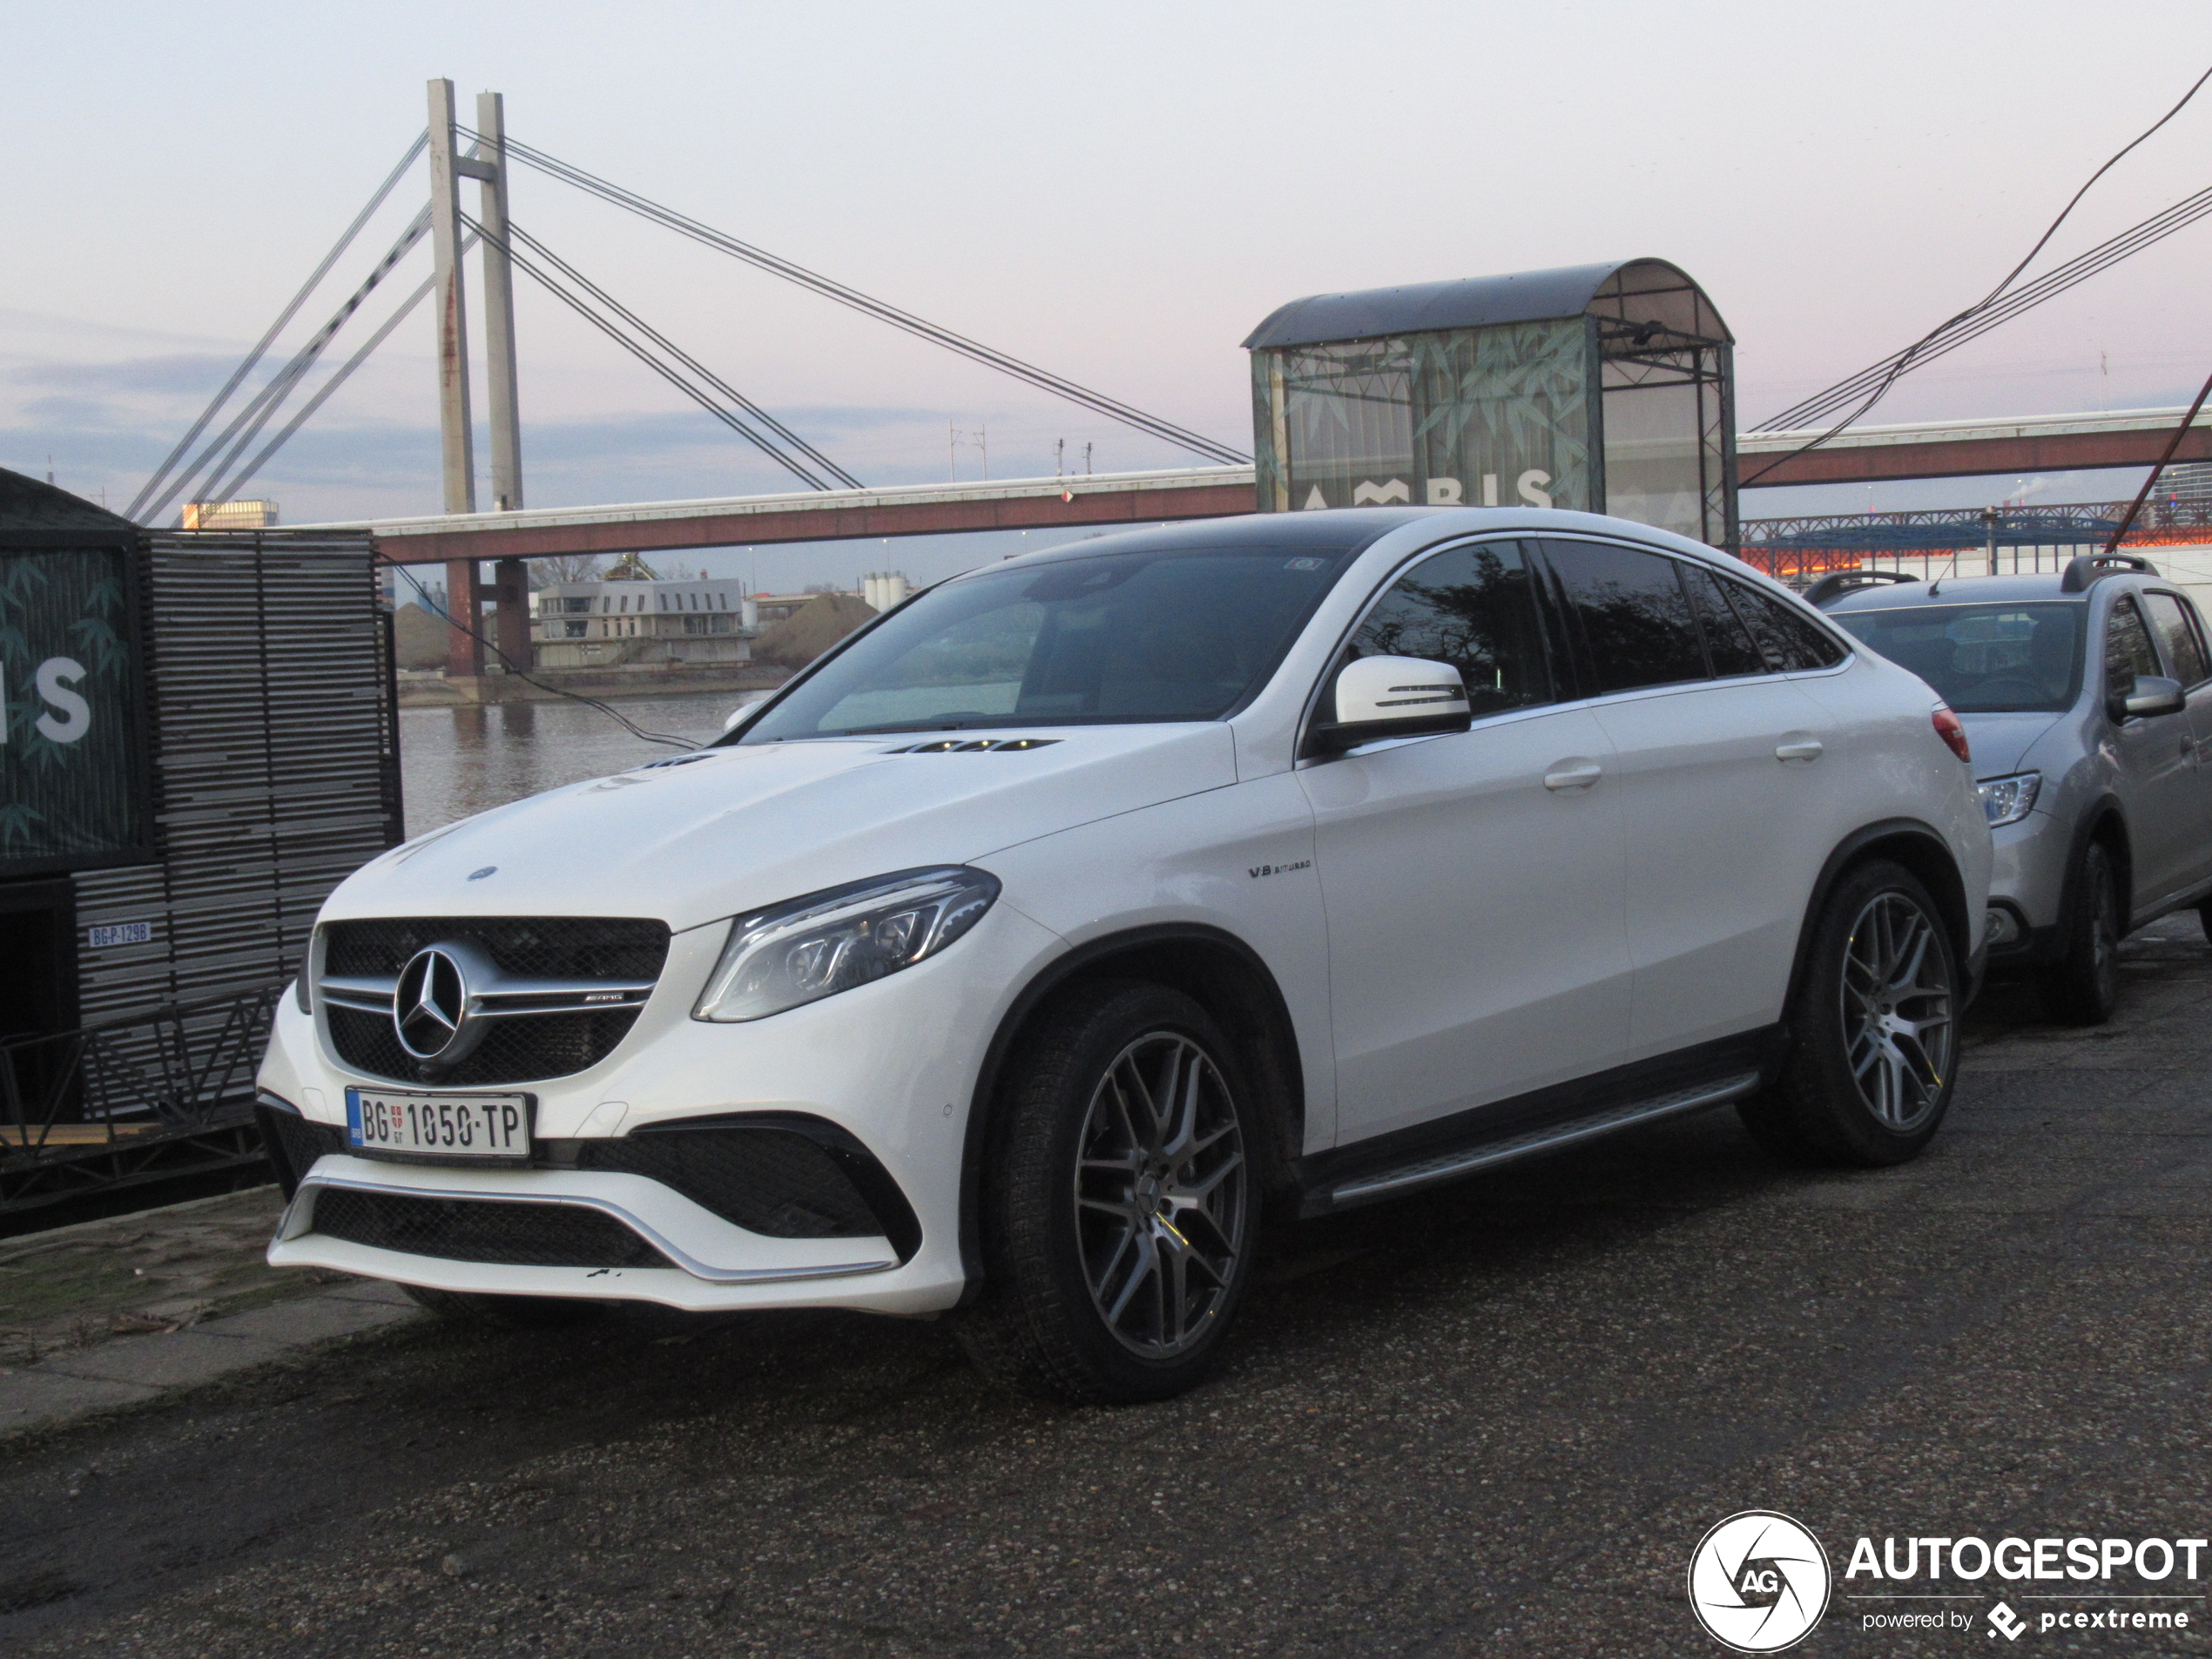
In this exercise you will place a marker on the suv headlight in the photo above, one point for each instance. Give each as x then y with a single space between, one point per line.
2007 800
833 940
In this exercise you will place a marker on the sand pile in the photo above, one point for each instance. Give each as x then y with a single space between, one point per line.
811 630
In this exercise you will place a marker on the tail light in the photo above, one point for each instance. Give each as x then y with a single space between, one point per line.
1952 731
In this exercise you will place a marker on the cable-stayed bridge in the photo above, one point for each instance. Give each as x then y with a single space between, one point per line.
237 436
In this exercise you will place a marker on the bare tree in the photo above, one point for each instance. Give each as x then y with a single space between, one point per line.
565 567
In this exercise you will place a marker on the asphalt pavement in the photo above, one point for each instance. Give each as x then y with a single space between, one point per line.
1493 1420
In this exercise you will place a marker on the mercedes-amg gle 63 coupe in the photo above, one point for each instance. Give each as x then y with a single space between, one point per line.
1019 956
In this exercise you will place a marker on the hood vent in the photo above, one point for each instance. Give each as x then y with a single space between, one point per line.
974 745
671 760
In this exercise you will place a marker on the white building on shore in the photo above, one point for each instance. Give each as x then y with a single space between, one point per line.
606 624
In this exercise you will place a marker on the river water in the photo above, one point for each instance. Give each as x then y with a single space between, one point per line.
455 762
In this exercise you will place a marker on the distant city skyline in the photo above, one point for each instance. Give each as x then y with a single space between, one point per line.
1119 195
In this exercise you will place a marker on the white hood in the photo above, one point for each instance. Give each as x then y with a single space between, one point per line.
733 829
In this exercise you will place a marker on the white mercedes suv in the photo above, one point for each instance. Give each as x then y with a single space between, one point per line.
1012 960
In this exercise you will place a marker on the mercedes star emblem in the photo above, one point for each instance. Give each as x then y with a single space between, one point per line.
430 1004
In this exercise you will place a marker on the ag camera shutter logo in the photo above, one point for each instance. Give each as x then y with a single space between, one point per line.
1758 1581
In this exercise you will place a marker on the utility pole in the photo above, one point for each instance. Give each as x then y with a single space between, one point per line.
1989 522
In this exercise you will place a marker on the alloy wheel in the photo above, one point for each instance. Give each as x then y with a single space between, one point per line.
1161 1194
1898 1026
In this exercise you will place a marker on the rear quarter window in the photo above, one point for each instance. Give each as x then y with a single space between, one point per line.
1790 642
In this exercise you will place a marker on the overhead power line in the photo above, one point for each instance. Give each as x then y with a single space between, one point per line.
239 376
2157 228
1098 402
1920 350
522 671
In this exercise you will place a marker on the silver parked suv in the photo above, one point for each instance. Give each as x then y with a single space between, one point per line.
2087 699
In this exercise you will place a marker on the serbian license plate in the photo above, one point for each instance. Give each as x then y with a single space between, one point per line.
495 1128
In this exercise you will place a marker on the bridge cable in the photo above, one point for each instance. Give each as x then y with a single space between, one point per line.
1906 358
2155 229
256 414
261 345
645 354
1098 402
338 377
685 358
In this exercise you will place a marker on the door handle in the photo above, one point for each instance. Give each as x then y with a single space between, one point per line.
1798 748
1575 772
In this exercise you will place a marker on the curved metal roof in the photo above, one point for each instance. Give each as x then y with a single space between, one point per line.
1470 302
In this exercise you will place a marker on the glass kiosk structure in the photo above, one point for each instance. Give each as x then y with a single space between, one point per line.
1609 388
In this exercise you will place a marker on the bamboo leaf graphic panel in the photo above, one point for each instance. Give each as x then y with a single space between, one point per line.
71 704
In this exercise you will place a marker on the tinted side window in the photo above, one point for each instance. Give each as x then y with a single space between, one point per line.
2128 647
1728 642
2177 637
1790 643
1474 608
1635 619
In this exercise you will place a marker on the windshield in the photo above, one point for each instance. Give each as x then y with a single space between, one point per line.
1984 659
1119 638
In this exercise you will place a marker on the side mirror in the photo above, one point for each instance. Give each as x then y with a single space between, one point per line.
1392 697
2150 694
742 710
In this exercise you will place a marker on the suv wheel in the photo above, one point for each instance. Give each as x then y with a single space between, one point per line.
2083 987
1874 1028
513 1312
1119 1207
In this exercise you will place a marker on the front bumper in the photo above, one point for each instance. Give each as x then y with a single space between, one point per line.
710 1262
2028 885
890 1065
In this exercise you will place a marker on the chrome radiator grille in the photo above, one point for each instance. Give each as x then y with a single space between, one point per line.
466 1002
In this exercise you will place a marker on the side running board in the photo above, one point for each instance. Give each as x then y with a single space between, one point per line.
1389 1183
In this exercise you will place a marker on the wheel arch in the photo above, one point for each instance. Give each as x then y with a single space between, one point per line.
2105 822
1920 848
1216 969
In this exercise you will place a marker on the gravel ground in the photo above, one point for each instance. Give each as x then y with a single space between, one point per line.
1493 1420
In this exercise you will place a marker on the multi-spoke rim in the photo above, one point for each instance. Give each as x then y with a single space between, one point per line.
1161 1194
1897 1027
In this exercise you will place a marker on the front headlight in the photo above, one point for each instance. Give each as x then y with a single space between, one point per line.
2007 800
833 940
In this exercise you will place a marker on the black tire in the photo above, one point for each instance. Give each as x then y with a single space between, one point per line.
2083 987
510 1313
1118 1241
2204 920
1873 1027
